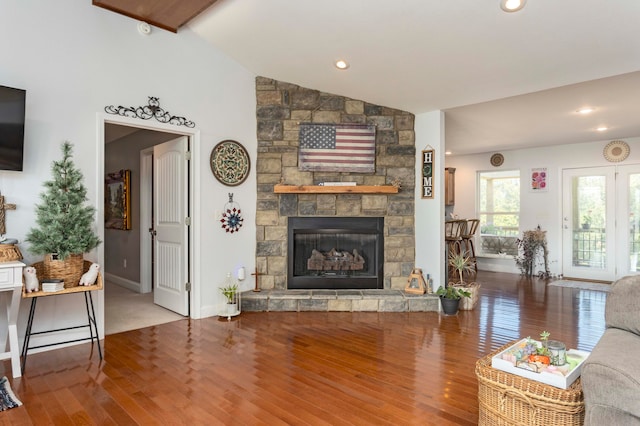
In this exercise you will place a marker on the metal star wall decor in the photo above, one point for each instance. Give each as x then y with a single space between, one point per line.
152 110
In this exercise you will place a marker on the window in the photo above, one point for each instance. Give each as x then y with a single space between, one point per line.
499 211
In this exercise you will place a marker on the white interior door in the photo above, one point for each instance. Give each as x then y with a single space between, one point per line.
170 194
588 223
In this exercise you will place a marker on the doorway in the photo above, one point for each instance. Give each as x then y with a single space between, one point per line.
600 222
133 126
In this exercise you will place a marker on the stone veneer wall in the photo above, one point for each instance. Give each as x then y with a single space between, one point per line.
281 107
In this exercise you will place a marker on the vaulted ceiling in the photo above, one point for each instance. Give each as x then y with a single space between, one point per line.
504 80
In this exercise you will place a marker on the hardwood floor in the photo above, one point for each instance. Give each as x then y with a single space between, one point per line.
301 368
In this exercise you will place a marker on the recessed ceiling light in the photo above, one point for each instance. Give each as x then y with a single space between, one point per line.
602 128
512 5
342 65
448 153
585 110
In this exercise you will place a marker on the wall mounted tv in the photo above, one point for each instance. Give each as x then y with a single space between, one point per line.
12 105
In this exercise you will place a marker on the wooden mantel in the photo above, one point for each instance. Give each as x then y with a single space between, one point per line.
318 189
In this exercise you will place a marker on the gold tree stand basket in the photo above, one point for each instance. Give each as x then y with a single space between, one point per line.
508 399
69 270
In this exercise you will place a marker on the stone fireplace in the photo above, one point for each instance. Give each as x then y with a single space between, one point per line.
335 253
281 107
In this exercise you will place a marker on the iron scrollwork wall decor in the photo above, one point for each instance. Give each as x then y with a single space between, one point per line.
427 172
152 110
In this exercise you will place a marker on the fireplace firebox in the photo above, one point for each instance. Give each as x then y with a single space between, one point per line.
335 253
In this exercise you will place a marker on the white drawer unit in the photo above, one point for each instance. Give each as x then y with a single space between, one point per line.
9 274
11 290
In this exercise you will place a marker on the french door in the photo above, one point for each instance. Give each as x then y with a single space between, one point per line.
628 182
600 228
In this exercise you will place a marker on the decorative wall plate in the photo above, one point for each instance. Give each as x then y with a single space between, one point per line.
230 163
616 151
497 160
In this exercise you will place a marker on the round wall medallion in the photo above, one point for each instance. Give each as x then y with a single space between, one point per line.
230 163
616 151
497 160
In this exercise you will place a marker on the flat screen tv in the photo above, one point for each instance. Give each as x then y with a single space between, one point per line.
12 104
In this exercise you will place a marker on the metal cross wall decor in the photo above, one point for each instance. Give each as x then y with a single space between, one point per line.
3 208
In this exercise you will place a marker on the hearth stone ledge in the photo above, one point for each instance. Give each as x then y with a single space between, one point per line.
338 301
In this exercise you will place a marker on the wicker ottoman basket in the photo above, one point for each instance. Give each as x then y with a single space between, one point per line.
509 399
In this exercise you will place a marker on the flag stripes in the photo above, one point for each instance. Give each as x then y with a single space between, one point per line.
337 148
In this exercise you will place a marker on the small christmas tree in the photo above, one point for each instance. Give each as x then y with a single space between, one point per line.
64 222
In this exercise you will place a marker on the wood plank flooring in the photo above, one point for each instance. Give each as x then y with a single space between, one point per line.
301 368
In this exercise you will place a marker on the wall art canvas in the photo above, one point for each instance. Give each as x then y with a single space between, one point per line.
539 179
117 200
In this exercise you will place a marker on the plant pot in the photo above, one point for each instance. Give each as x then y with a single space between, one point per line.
449 306
468 303
586 226
69 270
232 308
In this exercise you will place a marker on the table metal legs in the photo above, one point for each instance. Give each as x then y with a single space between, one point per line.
91 323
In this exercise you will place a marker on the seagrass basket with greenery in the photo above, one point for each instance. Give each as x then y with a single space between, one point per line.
65 223
69 270
40 272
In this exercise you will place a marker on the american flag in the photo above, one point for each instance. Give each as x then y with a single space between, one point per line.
337 148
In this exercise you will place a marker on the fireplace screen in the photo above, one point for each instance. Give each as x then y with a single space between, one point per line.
343 253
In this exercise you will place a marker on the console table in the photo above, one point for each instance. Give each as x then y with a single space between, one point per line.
11 281
91 318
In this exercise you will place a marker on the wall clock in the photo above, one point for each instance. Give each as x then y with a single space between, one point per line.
230 163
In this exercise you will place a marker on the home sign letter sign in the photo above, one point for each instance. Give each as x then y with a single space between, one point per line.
427 173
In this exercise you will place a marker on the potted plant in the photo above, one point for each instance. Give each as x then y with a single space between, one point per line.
450 298
462 264
64 231
586 221
230 291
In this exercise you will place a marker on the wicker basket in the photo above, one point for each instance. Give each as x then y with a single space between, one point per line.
41 276
69 270
468 303
509 399
9 252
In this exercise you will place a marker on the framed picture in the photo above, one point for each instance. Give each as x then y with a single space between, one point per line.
427 173
539 180
117 200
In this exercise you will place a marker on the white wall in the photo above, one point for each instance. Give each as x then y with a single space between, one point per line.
74 59
544 208
429 213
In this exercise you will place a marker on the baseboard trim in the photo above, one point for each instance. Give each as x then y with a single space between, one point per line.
208 311
123 282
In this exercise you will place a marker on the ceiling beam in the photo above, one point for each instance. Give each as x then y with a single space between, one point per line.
169 15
